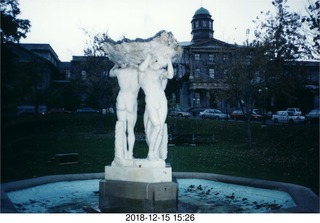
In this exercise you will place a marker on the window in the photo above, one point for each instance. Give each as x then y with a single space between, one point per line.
224 58
197 72
211 73
197 24
196 56
210 24
196 99
83 75
68 74
211 57
204 24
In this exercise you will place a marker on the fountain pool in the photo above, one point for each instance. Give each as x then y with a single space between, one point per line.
198 193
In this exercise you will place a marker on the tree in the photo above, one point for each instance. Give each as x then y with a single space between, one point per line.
284 42
13 81
94 85
264 66
245 79
98 84
312 21
281 33
12 28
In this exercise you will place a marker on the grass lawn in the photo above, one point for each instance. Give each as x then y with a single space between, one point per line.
287 153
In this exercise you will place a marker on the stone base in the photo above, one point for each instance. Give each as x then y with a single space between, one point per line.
139 174
138 163
136 197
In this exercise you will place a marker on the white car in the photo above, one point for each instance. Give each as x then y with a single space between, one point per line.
177 112
214 114
287 117
313 116
295 111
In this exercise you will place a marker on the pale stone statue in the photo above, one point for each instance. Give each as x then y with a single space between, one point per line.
146 64
153 80
126 108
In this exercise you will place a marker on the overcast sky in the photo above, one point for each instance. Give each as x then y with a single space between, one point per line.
60 22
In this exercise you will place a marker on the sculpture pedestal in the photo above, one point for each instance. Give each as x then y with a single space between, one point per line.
135 197
142 188
140 170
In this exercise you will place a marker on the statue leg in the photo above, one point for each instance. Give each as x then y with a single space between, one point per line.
147 126
153 142
122 142
131 121
119 135
156 135
163 150
158 141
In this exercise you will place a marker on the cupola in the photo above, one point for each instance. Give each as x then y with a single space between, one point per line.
202 25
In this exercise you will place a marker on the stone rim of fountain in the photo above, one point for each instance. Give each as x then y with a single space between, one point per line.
306 200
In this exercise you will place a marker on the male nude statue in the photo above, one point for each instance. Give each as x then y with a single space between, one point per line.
153 79
127 106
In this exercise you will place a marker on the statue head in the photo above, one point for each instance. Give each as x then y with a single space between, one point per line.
158 62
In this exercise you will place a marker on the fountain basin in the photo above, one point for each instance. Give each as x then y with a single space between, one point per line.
198 192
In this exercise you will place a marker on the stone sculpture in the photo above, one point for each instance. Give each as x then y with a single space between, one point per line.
153 80
141 185
145 63
126 109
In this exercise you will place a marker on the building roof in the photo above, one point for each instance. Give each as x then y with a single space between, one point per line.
39 47
185 43
207 44
202 11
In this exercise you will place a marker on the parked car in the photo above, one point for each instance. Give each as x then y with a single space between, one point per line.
238 115
196 110
58 111
313 116
31 109
178 112
287 117
295 111
214 114
86 110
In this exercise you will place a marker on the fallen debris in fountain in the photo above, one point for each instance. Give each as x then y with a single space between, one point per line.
217 197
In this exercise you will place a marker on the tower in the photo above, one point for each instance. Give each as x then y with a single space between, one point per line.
202 25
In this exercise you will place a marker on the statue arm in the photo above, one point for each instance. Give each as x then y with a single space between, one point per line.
144 65
164 83
113 71
169 73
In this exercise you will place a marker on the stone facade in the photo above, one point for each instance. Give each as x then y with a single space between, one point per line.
202 59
